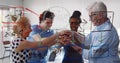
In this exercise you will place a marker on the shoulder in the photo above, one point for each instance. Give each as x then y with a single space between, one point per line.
48 33
17 40
33 27
52 31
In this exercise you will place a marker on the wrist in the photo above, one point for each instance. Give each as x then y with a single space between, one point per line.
39 44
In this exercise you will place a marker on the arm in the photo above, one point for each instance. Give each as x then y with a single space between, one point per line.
45 42
72 39
77 48
104 43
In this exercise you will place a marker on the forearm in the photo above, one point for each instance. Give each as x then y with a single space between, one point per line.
77 48
47 41
80 38
51 43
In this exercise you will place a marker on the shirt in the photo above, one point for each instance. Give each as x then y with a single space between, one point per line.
38 56
22 56
103 41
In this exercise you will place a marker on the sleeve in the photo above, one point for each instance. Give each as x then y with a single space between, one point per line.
87 41
52 32
33 32
101 45
35 29
87 46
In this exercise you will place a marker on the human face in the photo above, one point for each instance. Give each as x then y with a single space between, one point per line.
74 24
47 24
26 31
94 18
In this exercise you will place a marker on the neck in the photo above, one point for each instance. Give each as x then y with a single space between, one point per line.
104 20
101 21
43 27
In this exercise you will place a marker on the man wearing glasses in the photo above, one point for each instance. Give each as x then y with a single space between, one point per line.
103 39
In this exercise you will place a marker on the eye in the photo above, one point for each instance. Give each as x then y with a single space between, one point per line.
75 23
92 15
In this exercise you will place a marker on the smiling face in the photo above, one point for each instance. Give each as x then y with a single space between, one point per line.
97 13
46 19
95 18
22 27
45 25
74 24
26 31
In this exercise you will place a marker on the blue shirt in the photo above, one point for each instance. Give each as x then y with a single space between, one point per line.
38 56
103 41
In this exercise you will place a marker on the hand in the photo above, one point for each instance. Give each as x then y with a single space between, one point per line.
65 39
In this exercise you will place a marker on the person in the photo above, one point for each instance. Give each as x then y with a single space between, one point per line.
41 31
103 39
73 51
26 45
102 42
21 31
49 41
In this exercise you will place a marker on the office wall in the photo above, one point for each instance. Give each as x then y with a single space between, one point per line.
64 9
39 6
7 3
11 2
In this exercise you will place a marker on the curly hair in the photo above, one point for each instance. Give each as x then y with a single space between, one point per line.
22 24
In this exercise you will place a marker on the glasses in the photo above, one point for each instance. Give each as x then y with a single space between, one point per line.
92 15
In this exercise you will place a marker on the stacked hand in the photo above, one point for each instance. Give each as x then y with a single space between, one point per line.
70 38
65 37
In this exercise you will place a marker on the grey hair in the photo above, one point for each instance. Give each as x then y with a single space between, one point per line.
98 6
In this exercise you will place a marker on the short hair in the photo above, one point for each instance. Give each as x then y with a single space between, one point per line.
76 14
46 14
98 6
